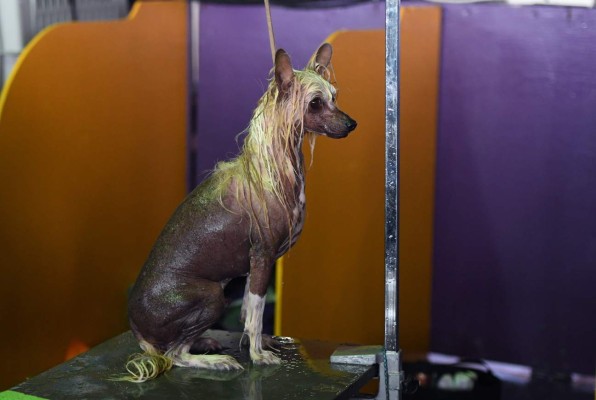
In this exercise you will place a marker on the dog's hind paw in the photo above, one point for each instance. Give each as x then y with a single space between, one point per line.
208 361
265 358
206 345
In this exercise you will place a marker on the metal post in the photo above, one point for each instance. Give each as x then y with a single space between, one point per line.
392 363
389 356
392 176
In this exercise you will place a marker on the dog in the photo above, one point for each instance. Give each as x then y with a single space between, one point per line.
237 222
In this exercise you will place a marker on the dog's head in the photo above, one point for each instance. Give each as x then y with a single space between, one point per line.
312 89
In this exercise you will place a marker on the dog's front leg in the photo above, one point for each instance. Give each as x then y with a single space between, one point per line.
261 265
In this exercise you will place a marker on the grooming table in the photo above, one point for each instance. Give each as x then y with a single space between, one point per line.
305 373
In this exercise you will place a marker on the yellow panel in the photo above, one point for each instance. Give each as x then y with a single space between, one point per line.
92 162
333 280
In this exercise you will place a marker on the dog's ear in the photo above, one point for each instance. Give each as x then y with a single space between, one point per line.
321 60
284 74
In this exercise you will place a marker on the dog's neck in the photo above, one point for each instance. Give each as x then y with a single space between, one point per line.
280 161
289 162
267 179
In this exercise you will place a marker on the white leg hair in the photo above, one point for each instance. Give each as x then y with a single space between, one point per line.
253 325
183 358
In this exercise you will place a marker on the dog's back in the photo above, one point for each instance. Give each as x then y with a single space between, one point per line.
201 246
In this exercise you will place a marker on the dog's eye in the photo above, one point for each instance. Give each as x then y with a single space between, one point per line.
333 99
316 103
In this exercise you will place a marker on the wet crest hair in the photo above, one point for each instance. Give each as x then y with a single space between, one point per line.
270 163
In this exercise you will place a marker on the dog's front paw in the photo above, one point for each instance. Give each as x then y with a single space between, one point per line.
267 342
265 358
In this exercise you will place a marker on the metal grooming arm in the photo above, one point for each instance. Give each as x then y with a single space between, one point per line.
389 356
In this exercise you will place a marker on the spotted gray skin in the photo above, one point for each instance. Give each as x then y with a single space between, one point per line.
179 291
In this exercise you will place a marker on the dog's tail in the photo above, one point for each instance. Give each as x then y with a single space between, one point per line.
145 366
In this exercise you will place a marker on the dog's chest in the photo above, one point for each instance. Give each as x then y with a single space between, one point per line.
298 214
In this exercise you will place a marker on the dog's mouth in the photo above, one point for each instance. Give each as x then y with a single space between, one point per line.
338 134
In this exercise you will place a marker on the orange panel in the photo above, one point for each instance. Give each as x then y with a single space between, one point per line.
333 280
92 163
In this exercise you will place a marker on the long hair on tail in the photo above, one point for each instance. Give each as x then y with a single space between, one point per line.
144 366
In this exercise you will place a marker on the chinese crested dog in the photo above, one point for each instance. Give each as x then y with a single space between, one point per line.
245 215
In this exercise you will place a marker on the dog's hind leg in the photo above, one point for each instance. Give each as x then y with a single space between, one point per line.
208 303
191 309
183 358
205 345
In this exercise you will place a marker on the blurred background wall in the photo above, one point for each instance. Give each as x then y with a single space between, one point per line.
21 20
92 163
515 215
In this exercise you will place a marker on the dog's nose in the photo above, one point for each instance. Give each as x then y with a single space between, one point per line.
351 124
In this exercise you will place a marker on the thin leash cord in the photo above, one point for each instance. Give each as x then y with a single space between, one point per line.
270 27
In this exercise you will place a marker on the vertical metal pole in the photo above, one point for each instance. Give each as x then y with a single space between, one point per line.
392 175
391 357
